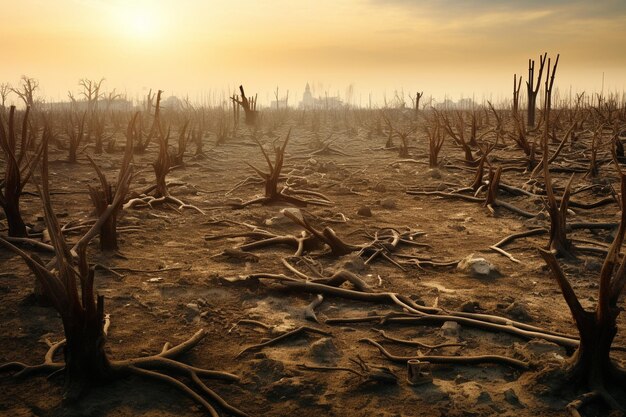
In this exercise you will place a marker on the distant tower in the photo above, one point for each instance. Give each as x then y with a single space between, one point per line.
307 97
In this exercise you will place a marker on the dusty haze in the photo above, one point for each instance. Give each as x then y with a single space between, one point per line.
199 47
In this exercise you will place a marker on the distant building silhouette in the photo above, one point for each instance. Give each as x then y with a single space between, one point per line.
310 102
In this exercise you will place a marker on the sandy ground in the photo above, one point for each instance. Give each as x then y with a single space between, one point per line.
189 291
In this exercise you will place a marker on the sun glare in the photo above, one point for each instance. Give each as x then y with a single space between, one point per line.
138 23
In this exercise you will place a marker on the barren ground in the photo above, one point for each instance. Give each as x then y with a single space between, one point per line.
172 283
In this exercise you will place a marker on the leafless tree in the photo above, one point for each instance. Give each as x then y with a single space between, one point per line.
91 91
5 90
26 91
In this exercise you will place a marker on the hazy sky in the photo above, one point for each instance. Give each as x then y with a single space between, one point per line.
453 47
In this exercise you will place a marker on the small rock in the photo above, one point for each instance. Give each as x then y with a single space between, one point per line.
470 306
593 265
354 263
518 311
193 307
450 328
324 351
364 211
478 267
389 204
483 398
511 397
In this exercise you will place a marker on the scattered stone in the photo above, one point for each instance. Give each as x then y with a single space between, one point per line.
511 397
478 267
450 329
364 211
193 307
389 204
354 263
324 351
592 265
470 306
483 398
518 311
192 312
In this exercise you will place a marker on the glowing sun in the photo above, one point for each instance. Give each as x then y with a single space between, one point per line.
139 23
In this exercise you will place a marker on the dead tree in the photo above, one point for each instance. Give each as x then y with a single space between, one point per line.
91 91
272 179
142 141
71 291
248 105
159 192
196 138
559 244
402 133
550 83
75 130
26 90
97 124
520 136
184 136
531 90
593 170
459 135
517 86
491 199
19 167
591 367
435 143
102 198
390 131
416 102
5 90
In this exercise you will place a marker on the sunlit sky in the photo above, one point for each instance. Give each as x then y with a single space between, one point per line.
450 48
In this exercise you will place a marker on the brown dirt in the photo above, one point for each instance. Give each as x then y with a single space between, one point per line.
148 309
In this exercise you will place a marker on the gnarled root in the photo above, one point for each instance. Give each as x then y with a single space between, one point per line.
157 367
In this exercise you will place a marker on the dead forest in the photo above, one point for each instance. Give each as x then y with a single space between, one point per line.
235 260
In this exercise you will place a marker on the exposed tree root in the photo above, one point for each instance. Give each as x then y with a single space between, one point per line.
478 321
150 201
289 334
366 373
270 180
463 360
151 367
416 343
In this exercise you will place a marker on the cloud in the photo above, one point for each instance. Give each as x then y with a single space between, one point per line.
443 9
